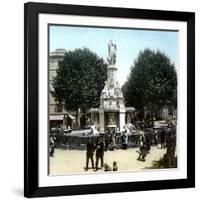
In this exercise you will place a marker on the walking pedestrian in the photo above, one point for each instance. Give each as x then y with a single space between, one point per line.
143 151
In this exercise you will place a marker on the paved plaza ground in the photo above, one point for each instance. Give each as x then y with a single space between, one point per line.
73 161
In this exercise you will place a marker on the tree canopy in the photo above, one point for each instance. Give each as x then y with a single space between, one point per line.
152 81
80 79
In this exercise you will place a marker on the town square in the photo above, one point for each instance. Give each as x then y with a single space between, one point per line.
100 121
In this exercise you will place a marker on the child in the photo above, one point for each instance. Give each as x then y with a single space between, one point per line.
115 167
107 167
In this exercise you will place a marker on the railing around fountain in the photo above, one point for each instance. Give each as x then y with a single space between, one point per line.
79 142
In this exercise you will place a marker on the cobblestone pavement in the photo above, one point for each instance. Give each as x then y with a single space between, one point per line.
73 161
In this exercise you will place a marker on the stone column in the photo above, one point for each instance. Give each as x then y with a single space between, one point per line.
101 120
128 117
121 118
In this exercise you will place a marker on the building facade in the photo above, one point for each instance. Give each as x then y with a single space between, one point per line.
54 58
56 112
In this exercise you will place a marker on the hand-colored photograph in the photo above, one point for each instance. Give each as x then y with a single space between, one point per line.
112 102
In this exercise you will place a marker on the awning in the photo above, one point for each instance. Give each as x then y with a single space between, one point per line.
111 126
71 117
56 117
130 109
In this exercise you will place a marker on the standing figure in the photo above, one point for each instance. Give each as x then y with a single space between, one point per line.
124 139
141 137
99 152
162 138
155 134
89 154
171 145
107 140
112 142
112 48
52 143
142 124
148 142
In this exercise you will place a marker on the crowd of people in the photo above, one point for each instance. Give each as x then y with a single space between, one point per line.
165 138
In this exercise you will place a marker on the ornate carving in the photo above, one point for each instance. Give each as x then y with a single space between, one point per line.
105 91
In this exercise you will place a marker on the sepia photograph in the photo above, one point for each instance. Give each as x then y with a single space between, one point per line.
112 99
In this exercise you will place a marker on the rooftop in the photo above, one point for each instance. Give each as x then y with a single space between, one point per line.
58 52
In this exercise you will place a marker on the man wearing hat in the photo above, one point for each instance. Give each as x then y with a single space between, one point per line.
90 153
99 152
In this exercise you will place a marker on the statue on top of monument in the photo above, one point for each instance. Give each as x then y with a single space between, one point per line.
112 48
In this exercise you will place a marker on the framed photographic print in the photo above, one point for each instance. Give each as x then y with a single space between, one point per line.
109 99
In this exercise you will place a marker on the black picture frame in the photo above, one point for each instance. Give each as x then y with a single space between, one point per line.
31 84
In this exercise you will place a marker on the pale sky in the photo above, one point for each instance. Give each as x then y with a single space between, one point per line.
129 43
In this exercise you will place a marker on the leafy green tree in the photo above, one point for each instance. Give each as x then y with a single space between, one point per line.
80 80
152 82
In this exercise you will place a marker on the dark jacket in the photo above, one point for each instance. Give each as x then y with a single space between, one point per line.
90 148
100 149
